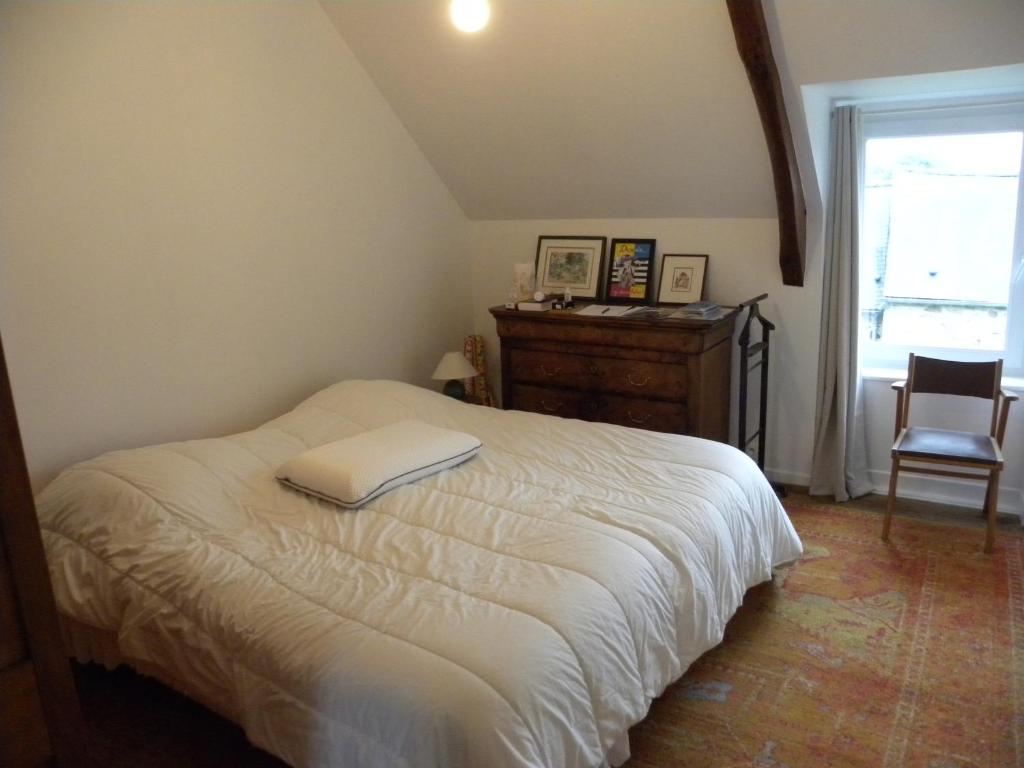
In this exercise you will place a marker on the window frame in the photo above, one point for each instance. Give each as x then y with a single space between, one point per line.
946 118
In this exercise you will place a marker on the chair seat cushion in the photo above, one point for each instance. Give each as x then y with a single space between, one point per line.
920 442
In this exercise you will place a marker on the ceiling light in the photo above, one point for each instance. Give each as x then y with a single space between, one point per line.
470 15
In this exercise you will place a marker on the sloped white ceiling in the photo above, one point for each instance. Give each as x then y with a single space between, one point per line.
572 108
828 42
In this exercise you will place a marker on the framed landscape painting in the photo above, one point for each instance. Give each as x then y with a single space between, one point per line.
682 278
570 261
629 271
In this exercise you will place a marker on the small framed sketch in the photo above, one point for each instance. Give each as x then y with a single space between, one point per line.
629 271
570 261
682 278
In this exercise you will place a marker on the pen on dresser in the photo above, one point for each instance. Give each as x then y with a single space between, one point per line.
604 310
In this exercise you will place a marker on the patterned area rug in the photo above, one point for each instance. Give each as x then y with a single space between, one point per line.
862 654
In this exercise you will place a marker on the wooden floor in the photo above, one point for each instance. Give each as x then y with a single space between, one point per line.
138 722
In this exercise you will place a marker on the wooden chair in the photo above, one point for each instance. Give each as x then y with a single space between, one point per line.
981 453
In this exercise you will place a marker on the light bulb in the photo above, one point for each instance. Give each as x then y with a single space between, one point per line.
470 15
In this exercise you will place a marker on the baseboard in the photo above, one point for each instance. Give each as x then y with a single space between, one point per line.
942 490
949 490
786 477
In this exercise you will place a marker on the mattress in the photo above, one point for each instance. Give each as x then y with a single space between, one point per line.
522 609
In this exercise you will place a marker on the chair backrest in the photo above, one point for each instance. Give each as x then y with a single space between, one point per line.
953 377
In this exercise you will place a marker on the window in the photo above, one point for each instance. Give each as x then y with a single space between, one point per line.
941 268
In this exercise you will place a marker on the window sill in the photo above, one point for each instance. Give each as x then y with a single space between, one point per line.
1015 383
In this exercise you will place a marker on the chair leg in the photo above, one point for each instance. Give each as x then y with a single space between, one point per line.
892 499
988 494
991 502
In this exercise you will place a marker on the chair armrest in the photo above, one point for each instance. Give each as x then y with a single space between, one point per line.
900 387
1004 412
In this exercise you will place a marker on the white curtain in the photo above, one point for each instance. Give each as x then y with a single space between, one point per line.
839 466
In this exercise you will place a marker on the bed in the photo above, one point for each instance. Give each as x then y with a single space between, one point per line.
522 609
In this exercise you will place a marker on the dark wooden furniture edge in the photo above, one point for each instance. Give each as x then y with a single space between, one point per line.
755 49
33 591
571 316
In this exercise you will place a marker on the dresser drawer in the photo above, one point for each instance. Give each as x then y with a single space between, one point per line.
605 374
655 415
570 404
661 375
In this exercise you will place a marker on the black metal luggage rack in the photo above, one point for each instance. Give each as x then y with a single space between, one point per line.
747 350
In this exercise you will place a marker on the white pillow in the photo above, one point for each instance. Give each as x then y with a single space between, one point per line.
353 471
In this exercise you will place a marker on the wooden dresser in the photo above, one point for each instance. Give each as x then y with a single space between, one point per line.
663 375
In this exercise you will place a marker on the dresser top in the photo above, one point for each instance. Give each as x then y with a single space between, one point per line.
572 318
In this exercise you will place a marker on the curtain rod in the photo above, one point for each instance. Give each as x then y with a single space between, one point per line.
933 104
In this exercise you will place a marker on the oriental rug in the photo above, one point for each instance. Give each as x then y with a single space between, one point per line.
903 655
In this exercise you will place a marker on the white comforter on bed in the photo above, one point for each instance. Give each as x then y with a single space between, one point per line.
522 609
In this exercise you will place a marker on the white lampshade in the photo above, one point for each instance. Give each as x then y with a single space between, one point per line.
454 366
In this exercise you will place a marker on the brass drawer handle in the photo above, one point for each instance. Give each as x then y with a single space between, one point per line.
641 383
545 372
549 408
639 420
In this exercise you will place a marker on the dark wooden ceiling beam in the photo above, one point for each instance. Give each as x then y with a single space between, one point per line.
755 48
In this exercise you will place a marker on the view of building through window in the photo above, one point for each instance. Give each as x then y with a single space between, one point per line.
937 249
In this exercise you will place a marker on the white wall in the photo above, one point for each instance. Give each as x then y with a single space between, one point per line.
822 41
743 262
880 49
208 212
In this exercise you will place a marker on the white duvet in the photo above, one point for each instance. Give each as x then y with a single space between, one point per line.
522 609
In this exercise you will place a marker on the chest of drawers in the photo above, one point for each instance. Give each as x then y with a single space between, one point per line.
663 375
